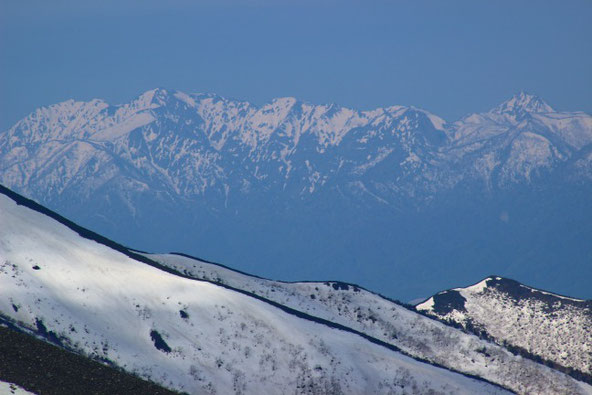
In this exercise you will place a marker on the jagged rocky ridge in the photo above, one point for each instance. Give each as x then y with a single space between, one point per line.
553 328
397 186
201 144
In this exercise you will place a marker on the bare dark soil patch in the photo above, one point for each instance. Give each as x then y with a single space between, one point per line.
46 369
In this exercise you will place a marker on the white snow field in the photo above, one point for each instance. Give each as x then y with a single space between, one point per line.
390 322
10 388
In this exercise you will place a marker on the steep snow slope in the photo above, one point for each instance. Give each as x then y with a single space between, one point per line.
183 333
369 313
553 327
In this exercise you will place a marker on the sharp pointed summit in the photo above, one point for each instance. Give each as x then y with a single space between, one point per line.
524 102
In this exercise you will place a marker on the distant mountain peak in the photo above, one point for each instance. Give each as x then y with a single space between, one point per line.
151 99
523 102
288 100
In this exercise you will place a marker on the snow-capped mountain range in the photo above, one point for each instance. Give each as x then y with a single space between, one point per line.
198 327
299 173
199 144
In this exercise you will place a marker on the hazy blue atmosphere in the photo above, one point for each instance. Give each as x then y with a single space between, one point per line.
296 196
449 57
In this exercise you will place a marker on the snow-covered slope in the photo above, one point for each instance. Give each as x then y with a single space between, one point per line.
183 333
10 388
388 321
553 327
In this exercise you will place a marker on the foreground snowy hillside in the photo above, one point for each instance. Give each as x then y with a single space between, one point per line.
388 321
219 178
183 333
554 327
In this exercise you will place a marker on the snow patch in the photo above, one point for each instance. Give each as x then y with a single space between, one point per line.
9 388
428 305
477 288
122 129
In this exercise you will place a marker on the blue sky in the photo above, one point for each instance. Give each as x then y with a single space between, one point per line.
450 57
